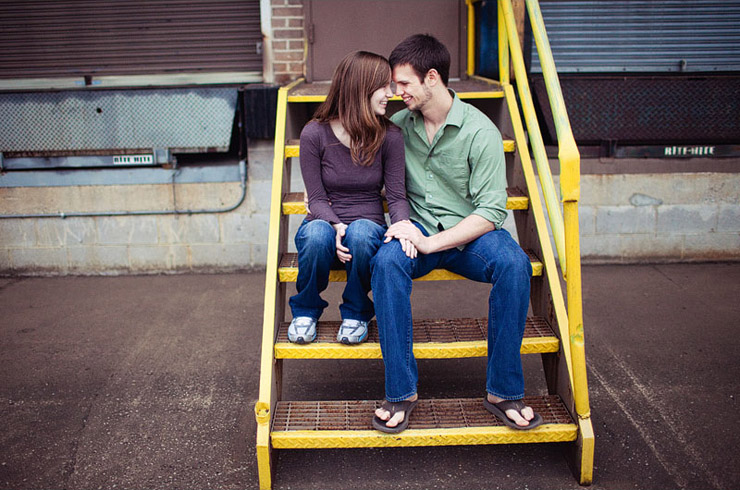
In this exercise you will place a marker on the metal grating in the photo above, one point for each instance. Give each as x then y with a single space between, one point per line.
428 414
431 331
669 108
54 123
459 86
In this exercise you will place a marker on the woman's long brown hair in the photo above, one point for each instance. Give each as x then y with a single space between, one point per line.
355 79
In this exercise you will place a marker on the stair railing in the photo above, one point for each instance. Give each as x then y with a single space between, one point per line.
565 232
269 389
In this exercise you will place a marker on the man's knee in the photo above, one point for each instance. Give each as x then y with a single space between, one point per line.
390 256
518 265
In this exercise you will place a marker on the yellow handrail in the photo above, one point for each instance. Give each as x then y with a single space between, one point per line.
267 396
535 135
565 231
570 189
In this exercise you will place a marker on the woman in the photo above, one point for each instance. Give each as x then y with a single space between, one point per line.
349 151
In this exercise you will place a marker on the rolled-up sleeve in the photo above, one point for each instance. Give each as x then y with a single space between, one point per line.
488 176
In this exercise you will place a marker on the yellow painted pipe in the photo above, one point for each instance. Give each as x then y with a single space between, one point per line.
471 37
575 312
568 151
263 406
548 257
503 49
535 135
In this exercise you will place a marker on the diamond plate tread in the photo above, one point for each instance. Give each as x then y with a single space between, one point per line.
433 339
293 150
434 422
288 270
465 89
293 201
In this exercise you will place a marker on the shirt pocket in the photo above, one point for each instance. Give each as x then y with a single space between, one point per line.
453 172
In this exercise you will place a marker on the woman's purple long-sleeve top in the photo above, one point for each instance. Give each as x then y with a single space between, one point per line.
340 191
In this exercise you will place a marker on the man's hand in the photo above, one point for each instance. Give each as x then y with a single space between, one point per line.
408 248
342 251
305 202
409 236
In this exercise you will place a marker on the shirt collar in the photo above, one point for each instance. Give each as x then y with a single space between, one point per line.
454 117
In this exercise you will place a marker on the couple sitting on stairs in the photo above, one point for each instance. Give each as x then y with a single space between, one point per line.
444 156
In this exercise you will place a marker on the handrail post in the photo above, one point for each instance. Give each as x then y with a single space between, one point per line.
503 48
552 202
470 70
570 190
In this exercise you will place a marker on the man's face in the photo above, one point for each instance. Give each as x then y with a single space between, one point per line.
414 92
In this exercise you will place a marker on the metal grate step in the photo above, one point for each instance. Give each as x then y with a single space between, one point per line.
292 148
470 88
288 270
293 201
434 422
433 339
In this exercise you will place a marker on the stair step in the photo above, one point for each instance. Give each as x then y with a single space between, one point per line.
293 148
433 339
288 270
465 89
434 422
293 201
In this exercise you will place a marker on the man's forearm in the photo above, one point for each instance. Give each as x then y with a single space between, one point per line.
462 233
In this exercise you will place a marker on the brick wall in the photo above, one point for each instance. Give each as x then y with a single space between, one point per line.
288 40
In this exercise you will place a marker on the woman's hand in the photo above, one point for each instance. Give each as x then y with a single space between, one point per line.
342 251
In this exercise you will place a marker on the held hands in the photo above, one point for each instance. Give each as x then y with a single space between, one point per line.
412 239
342 251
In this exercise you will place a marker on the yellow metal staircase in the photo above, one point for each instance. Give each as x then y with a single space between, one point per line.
553 331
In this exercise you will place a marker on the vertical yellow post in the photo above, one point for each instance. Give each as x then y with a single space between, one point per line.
471 37
267 397
503 49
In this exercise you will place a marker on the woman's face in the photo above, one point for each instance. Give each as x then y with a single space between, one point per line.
379 99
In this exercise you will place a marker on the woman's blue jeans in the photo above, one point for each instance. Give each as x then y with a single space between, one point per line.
493 258
316 244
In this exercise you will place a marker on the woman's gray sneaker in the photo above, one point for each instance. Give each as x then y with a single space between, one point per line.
302 330
352 332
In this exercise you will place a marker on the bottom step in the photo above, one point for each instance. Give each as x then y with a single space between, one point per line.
434 422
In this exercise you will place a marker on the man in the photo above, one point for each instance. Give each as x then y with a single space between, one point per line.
456 187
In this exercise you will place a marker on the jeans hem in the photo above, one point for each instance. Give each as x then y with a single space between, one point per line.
519 397
401 398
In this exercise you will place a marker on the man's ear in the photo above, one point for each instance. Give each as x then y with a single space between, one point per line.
432 77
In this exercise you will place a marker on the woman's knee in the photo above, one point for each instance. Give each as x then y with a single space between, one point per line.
316 235
363 237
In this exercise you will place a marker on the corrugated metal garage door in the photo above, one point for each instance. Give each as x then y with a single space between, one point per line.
599 36
94 38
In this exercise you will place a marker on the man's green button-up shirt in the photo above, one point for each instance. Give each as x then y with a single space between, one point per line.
462 171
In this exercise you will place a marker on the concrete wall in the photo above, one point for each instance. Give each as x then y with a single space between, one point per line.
139 244
623 218
660 217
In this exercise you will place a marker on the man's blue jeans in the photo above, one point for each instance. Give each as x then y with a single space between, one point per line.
494 258
316 244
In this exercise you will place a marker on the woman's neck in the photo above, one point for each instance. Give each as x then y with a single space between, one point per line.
339 132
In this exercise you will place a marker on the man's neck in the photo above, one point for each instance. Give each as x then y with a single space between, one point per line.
436 110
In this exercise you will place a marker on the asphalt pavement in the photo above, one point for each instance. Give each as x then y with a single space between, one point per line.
149 382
